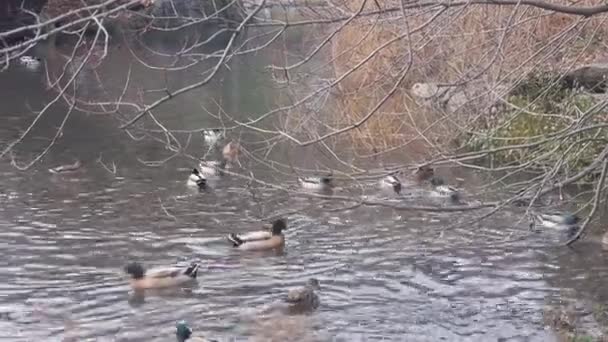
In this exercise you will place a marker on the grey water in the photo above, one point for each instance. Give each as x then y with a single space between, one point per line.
385 274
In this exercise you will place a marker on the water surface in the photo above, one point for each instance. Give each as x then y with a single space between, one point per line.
385 274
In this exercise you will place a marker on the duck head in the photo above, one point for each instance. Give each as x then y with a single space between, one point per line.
424 173
195 172
135 269
571 219
182 331
326 180
278 226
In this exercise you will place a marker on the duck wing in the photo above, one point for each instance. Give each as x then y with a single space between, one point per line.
164 272
255 236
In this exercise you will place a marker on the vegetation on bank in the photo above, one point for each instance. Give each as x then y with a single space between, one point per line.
542 111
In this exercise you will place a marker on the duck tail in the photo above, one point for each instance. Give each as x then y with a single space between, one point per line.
236 241
192 270
397 188
202 183
455 197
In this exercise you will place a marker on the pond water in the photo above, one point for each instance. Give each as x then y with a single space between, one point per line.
385 274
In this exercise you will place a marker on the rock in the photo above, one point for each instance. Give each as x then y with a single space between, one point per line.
454 99
593 78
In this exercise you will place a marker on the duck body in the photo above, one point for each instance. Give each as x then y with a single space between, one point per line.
423 174
440 189
212 136
562 222
212 168
261 240
557 220
195 179
391 182
66 168
305 297
160 277
231 151
316 183
30 62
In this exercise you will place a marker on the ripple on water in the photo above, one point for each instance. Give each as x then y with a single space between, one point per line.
384 274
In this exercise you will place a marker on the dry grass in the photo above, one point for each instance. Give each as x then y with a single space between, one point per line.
502 44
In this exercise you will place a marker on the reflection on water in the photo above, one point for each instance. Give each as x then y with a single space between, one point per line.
385 275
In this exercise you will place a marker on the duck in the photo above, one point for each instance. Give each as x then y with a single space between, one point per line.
212 168
424 173
183 332
440 189
559 221
305 297
160 277
261 240
231 151
391 182
30 62
196 179
316 183
66 168
212 136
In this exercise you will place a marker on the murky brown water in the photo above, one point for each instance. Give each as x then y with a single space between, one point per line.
385 275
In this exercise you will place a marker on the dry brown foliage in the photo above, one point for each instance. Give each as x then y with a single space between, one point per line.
482 45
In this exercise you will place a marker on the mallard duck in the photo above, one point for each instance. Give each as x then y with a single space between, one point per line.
305 297
231 151
30 62
316 183
212 168
261 240
424 173
212 136
557 220
440 189
66 168
183 332
160 277
391 182
196 179
565 222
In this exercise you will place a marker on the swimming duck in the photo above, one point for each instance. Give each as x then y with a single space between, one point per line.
160 277
261 240
196 179
212 136
560 221
316 183
212 168
30 62
440 189
66 168
231 151
424 173
557 219
391 182
305 297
